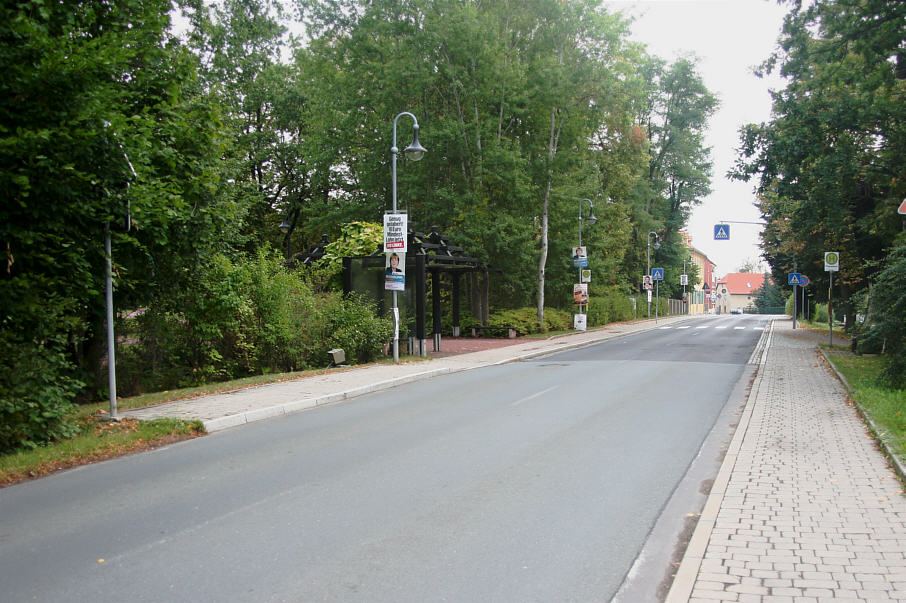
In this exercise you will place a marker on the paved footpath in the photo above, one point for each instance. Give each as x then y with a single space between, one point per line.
805 508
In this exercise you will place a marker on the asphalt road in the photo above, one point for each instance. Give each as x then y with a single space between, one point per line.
535 480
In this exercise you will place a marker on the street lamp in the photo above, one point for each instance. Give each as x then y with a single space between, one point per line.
415 152
657 246
108 278
591 219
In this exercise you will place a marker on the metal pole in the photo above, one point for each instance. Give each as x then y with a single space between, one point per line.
111 347
795 293
830 316
657 298
394 311
648 273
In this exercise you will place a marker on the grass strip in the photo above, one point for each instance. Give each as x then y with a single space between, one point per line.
886 407
96 441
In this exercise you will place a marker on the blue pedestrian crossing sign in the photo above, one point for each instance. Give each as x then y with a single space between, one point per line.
795 278
721 232
657 274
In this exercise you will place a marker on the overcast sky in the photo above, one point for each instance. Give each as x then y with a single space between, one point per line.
729 37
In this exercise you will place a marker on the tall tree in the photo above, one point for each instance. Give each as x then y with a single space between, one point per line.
829 163
86 86
515 100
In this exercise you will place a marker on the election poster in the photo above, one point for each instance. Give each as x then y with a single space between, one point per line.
395 232
580 257
395 272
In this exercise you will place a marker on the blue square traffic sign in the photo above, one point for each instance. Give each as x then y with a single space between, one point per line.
721 232
657 274
794 278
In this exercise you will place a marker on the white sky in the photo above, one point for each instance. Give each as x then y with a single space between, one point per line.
729 37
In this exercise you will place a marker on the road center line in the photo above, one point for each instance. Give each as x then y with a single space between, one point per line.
533 396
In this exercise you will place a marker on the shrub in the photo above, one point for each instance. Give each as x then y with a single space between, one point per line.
246 318
610 307
887 323
352 325
525 320
37 385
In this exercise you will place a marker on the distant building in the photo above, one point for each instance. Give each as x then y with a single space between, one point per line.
700 295
737 290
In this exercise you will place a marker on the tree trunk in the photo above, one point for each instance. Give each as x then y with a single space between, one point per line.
545 218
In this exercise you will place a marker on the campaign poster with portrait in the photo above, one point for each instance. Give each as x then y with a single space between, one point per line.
580 293
580 257
395 271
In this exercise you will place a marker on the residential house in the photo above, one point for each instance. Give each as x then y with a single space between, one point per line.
737 290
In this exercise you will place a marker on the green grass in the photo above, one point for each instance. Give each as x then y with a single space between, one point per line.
886 407
96 441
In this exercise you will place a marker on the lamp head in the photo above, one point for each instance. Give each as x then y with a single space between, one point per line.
591 219
285 225
415 151
657 244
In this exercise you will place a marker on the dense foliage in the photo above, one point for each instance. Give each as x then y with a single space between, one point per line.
830 163
232 127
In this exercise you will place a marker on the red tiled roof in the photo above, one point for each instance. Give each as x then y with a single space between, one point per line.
743 283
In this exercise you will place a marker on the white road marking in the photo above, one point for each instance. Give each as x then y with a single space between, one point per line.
533 396
738 328
705 327
720 327
686 327
662 328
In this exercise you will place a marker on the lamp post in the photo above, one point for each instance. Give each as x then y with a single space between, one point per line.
415 152
108 283
657 246
591 219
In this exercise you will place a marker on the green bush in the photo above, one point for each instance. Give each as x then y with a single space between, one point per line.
245 318
37 385
820 315
353 326
525 320
887 324
613 306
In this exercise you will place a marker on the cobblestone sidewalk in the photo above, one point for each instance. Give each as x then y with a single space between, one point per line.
805 508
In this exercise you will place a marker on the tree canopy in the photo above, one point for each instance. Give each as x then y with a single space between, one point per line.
234 126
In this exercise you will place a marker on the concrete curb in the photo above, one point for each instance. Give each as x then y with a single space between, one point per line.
286 408
258 414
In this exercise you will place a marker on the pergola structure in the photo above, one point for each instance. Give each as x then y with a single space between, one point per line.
430 254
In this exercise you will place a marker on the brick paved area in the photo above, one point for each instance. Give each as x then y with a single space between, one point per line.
805 508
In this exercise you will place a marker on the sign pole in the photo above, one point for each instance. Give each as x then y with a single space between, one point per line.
795 291
830 316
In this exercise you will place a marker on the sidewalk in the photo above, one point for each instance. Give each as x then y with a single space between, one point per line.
230 409
805 508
